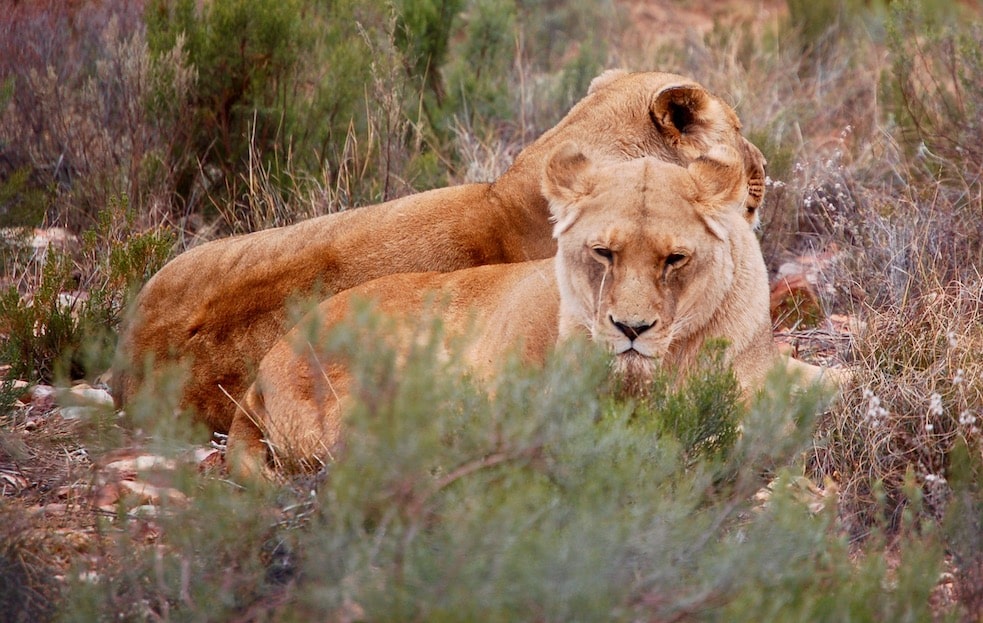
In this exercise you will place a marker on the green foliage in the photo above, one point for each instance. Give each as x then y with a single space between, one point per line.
963 525
67 326
704 414
245 53
936 88
339 65
482 60
422 34
796 572
8 396
820 25
547 501
21 202
39 335
122 258
551 29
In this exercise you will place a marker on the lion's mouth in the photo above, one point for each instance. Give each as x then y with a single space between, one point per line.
635 348
635 370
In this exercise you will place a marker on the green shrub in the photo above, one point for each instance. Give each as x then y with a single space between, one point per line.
21 202
935 89
67 327
245 53
550 500
820 26
41 334
481 62
423 34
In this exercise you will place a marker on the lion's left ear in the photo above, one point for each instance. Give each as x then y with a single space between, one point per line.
754 167
566 181
721 178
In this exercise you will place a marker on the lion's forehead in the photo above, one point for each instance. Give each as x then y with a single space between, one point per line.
645 185
640 230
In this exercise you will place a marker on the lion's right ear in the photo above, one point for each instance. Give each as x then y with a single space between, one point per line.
681 110
565 182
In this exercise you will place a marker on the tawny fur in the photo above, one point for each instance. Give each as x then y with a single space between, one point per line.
643 246
219 307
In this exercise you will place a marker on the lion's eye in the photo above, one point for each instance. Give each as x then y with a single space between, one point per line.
603 253
675 260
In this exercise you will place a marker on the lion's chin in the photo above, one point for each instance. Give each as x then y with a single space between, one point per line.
634 372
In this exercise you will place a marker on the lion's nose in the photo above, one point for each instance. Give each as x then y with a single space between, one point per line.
631 331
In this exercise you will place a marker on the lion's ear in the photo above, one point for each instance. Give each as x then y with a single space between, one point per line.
565 182
605 78
754 167
690 119
680 110
720 176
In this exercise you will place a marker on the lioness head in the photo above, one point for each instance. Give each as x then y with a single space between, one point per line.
632 115
654 258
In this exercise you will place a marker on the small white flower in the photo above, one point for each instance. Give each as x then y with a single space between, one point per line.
875 412
934 478
951 336
956 380
966 418
935 404
929 427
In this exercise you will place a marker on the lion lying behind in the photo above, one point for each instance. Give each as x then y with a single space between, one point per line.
219 307
653 259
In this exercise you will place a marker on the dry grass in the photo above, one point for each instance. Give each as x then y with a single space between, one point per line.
903 225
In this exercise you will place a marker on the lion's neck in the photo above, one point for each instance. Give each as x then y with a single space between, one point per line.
523 210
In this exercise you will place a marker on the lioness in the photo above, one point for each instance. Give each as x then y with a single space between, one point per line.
219 307
653 259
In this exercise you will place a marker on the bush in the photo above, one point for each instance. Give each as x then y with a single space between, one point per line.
65 328
481 61
245 53
548 501
937 95
93 126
